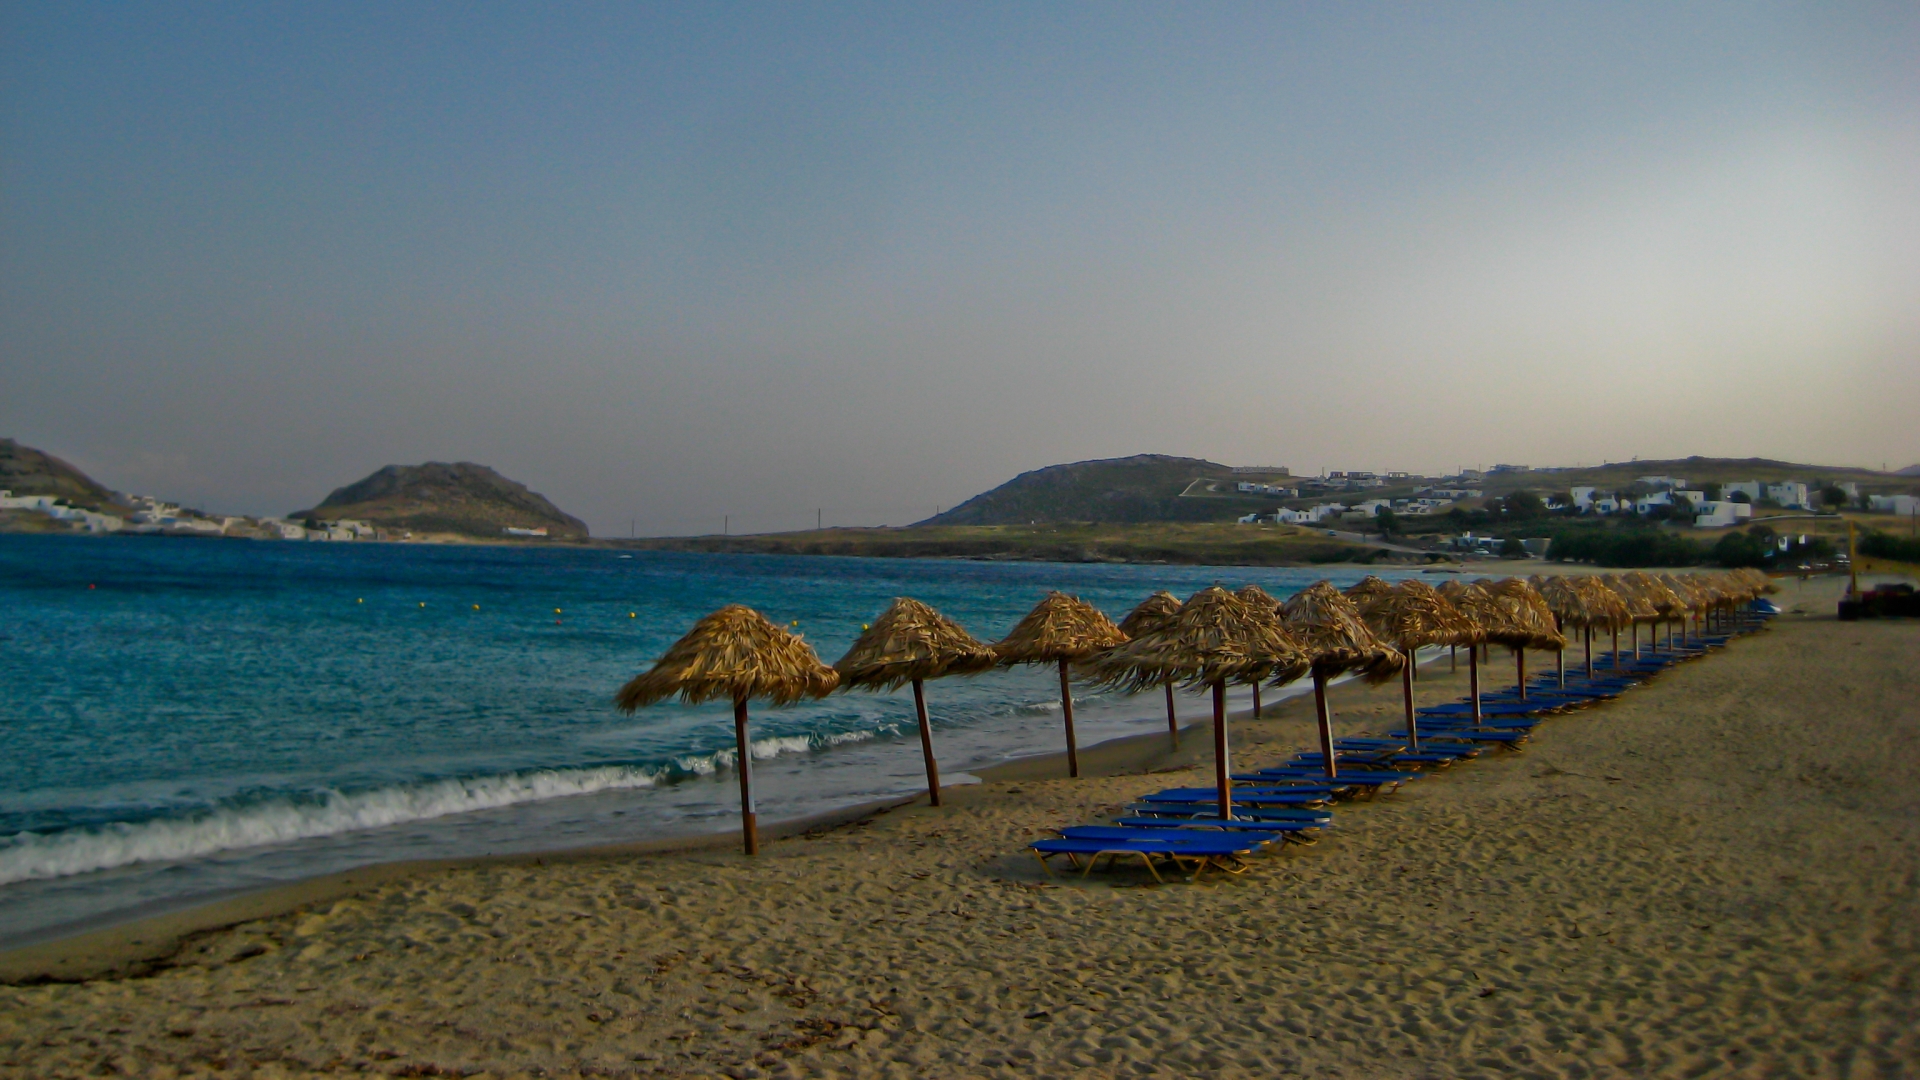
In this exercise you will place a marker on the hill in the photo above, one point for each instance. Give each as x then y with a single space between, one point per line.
26 471
1207 544
1145 487
461 498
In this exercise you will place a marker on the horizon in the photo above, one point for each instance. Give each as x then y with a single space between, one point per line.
670 266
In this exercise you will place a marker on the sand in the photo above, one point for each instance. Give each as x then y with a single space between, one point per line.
1714 875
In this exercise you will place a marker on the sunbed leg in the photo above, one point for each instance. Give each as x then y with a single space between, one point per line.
1148 859
1042 856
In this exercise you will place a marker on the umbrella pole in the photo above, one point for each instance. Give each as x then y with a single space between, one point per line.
1453 659
1413 663
749 825
1256 701
1520 666
1406 687
1560 658
1473 681
1325 717
1586 637
926 742
1066 710
1223 790
1616 648
1173 719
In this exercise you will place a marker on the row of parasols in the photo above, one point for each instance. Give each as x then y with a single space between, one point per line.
1214 640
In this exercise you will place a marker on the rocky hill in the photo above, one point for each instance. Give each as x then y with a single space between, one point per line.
462 498
26 471
1145 487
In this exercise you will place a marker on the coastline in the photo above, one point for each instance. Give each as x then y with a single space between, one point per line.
135 946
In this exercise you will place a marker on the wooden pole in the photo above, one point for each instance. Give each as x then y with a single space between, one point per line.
1560 658
1222 774
1616 648
1586 636
1853 564
1520 666
1325 717
1173 719
1453 659
1473 681
1256 701
749 824
1066 710
1406 688
926 742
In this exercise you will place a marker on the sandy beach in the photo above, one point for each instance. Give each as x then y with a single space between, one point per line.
1716 875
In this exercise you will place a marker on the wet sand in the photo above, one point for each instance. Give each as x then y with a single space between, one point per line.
1718 874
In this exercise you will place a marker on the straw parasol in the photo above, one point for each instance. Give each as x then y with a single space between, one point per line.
1153 613
1059 630
1472 600
1531 622
1412 616
1368 590
1669 604
1216 638
911 643
1639 609
1337 640
1264 604
737 654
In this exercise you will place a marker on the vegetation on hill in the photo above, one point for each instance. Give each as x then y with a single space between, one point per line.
1209 544
1145 487
1697 471
461 498
26 471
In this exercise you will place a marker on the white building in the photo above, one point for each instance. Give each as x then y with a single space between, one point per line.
1754 490
1790 493
1903 505
1721 513
1645 503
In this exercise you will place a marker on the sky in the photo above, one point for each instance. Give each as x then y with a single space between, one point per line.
673 265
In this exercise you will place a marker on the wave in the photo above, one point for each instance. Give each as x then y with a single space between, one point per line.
30 856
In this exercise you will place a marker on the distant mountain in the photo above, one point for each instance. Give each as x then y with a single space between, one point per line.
1911 470
1145 487
461 498
26 471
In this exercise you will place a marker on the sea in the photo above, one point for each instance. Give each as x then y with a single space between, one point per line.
188 719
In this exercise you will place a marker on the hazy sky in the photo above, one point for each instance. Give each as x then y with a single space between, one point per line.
674 262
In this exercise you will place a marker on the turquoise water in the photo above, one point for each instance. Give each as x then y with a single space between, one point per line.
185 718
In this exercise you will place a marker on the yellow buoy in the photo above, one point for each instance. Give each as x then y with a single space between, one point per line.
632 614
423 603
476 607
556 611
362 600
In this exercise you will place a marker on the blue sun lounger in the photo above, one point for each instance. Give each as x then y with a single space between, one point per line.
1223 850
1390 779
1293 832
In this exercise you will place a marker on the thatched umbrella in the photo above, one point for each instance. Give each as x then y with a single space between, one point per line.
1216 638
1485 614
738 654
1606 610
1531 623
1152 614
911 643
1263 602
1059 630
1670 605
1569 608
1410 617
1368 590
1337 640
1639 609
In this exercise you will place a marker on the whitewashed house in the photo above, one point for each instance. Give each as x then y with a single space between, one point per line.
1720 513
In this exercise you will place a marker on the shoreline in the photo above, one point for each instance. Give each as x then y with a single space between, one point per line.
138 944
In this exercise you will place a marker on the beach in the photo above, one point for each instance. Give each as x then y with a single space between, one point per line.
1716 874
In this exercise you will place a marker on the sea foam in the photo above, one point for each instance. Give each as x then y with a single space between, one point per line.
29 856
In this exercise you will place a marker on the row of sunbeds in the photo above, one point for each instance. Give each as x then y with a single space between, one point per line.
1181 831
